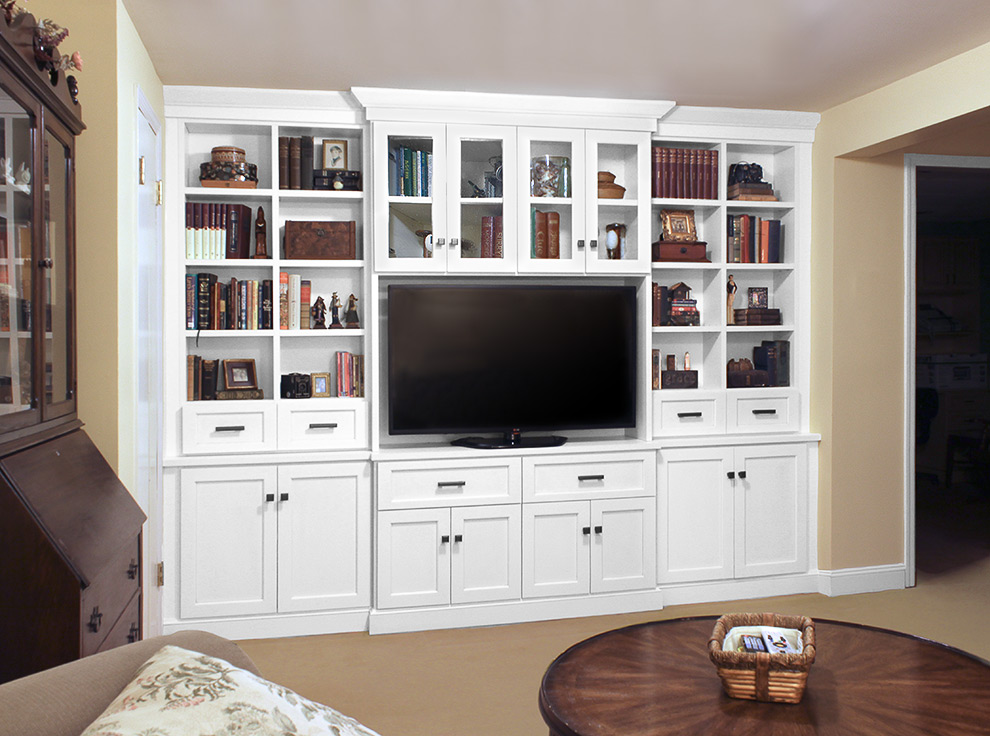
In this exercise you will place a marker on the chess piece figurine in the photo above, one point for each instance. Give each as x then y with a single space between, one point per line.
730 297
351 320
318 314
260 235
335 313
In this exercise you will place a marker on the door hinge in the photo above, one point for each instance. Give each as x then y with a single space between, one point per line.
161 574
141 170
159 193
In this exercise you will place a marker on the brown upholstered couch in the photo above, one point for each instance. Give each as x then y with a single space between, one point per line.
64 700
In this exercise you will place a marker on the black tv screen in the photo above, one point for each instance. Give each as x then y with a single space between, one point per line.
501 358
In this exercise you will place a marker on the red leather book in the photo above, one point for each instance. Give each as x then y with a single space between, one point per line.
713 176
764 241
744 244
497 245
553 235
540 234
487 236
283 162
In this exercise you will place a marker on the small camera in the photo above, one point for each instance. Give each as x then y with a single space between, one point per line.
296 386
743 173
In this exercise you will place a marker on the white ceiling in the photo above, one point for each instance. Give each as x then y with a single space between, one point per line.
783 54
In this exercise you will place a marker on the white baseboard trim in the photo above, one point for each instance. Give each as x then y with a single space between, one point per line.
276 625
512 612
728 590
862 579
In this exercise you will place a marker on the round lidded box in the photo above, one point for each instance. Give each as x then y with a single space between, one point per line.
228 155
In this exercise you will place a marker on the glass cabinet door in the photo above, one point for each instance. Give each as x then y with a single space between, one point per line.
481 181
17 348
409 204
55 267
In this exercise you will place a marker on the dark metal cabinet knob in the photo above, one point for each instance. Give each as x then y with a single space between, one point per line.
458 537
269 497
598 529
586 531
445 539
742 474
283 497
731 474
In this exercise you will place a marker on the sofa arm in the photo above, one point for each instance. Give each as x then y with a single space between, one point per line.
64 700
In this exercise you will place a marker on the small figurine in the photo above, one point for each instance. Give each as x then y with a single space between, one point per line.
730 289
424 235
687 361
260 235
350 313
318 314
335 313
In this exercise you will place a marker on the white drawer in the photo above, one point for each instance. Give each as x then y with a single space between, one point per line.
682 414
322 424
575 477
420 484
763 410
227 426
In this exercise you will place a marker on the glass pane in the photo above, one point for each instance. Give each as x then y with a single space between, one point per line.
410 176
16 343
481 199
550 187
58 347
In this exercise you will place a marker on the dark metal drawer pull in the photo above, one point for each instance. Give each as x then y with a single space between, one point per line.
95 620
323 425
764 411
451 484
583 478
132 570
688 414
231 428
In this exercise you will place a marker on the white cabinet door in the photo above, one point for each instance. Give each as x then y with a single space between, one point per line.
484 564
227 564
771 510
410 217
694 515
482 181
324 536
560 191
618 229
623 550
413 558
556 549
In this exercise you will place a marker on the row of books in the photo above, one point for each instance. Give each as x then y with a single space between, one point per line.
410 172
491 237
684 173
294 296
350 374
205 382
216 230
753 239
212 304
295 162
757 316
545 234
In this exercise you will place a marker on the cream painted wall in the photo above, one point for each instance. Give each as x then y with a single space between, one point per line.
857 401
114 63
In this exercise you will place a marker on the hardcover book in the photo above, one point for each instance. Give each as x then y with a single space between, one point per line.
295 163
306 162
283 162
553 235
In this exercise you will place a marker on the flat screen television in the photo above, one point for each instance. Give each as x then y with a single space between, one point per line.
510 359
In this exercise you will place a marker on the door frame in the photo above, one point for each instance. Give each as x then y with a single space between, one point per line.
911 163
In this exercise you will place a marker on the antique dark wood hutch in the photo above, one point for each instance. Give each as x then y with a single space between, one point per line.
70 533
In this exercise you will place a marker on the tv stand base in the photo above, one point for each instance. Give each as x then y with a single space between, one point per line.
510 440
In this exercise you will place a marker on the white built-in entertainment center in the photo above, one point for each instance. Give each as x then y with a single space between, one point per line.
293 516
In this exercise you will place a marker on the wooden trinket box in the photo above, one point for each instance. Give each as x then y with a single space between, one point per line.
696 252
320 240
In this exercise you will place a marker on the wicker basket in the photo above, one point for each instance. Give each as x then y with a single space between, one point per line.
772 678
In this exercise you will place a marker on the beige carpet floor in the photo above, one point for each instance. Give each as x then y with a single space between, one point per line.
484 681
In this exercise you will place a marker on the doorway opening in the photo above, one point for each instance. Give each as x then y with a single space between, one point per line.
952 344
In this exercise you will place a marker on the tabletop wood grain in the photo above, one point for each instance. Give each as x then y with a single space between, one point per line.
656 678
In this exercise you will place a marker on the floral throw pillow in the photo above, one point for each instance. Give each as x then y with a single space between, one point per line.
182 693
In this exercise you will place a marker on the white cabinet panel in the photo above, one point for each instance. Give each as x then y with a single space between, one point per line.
227 560
413 558
486 551
212 427
769 410
322 424
623 544
556 551
421 483
324 536
604 475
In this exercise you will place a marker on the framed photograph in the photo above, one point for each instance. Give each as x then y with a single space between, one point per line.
239 373
678 226
321 385
334 154
757 297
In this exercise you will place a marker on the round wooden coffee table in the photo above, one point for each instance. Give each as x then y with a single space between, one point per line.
655 678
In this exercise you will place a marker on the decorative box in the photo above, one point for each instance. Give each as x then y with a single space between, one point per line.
227 167
320 240
337 179
696 252
678 379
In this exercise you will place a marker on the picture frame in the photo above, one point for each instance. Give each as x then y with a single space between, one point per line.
320 383
334 154
757 297
678 226
239 373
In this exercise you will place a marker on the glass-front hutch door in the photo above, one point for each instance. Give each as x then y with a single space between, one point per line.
481 198
56 269
19 405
